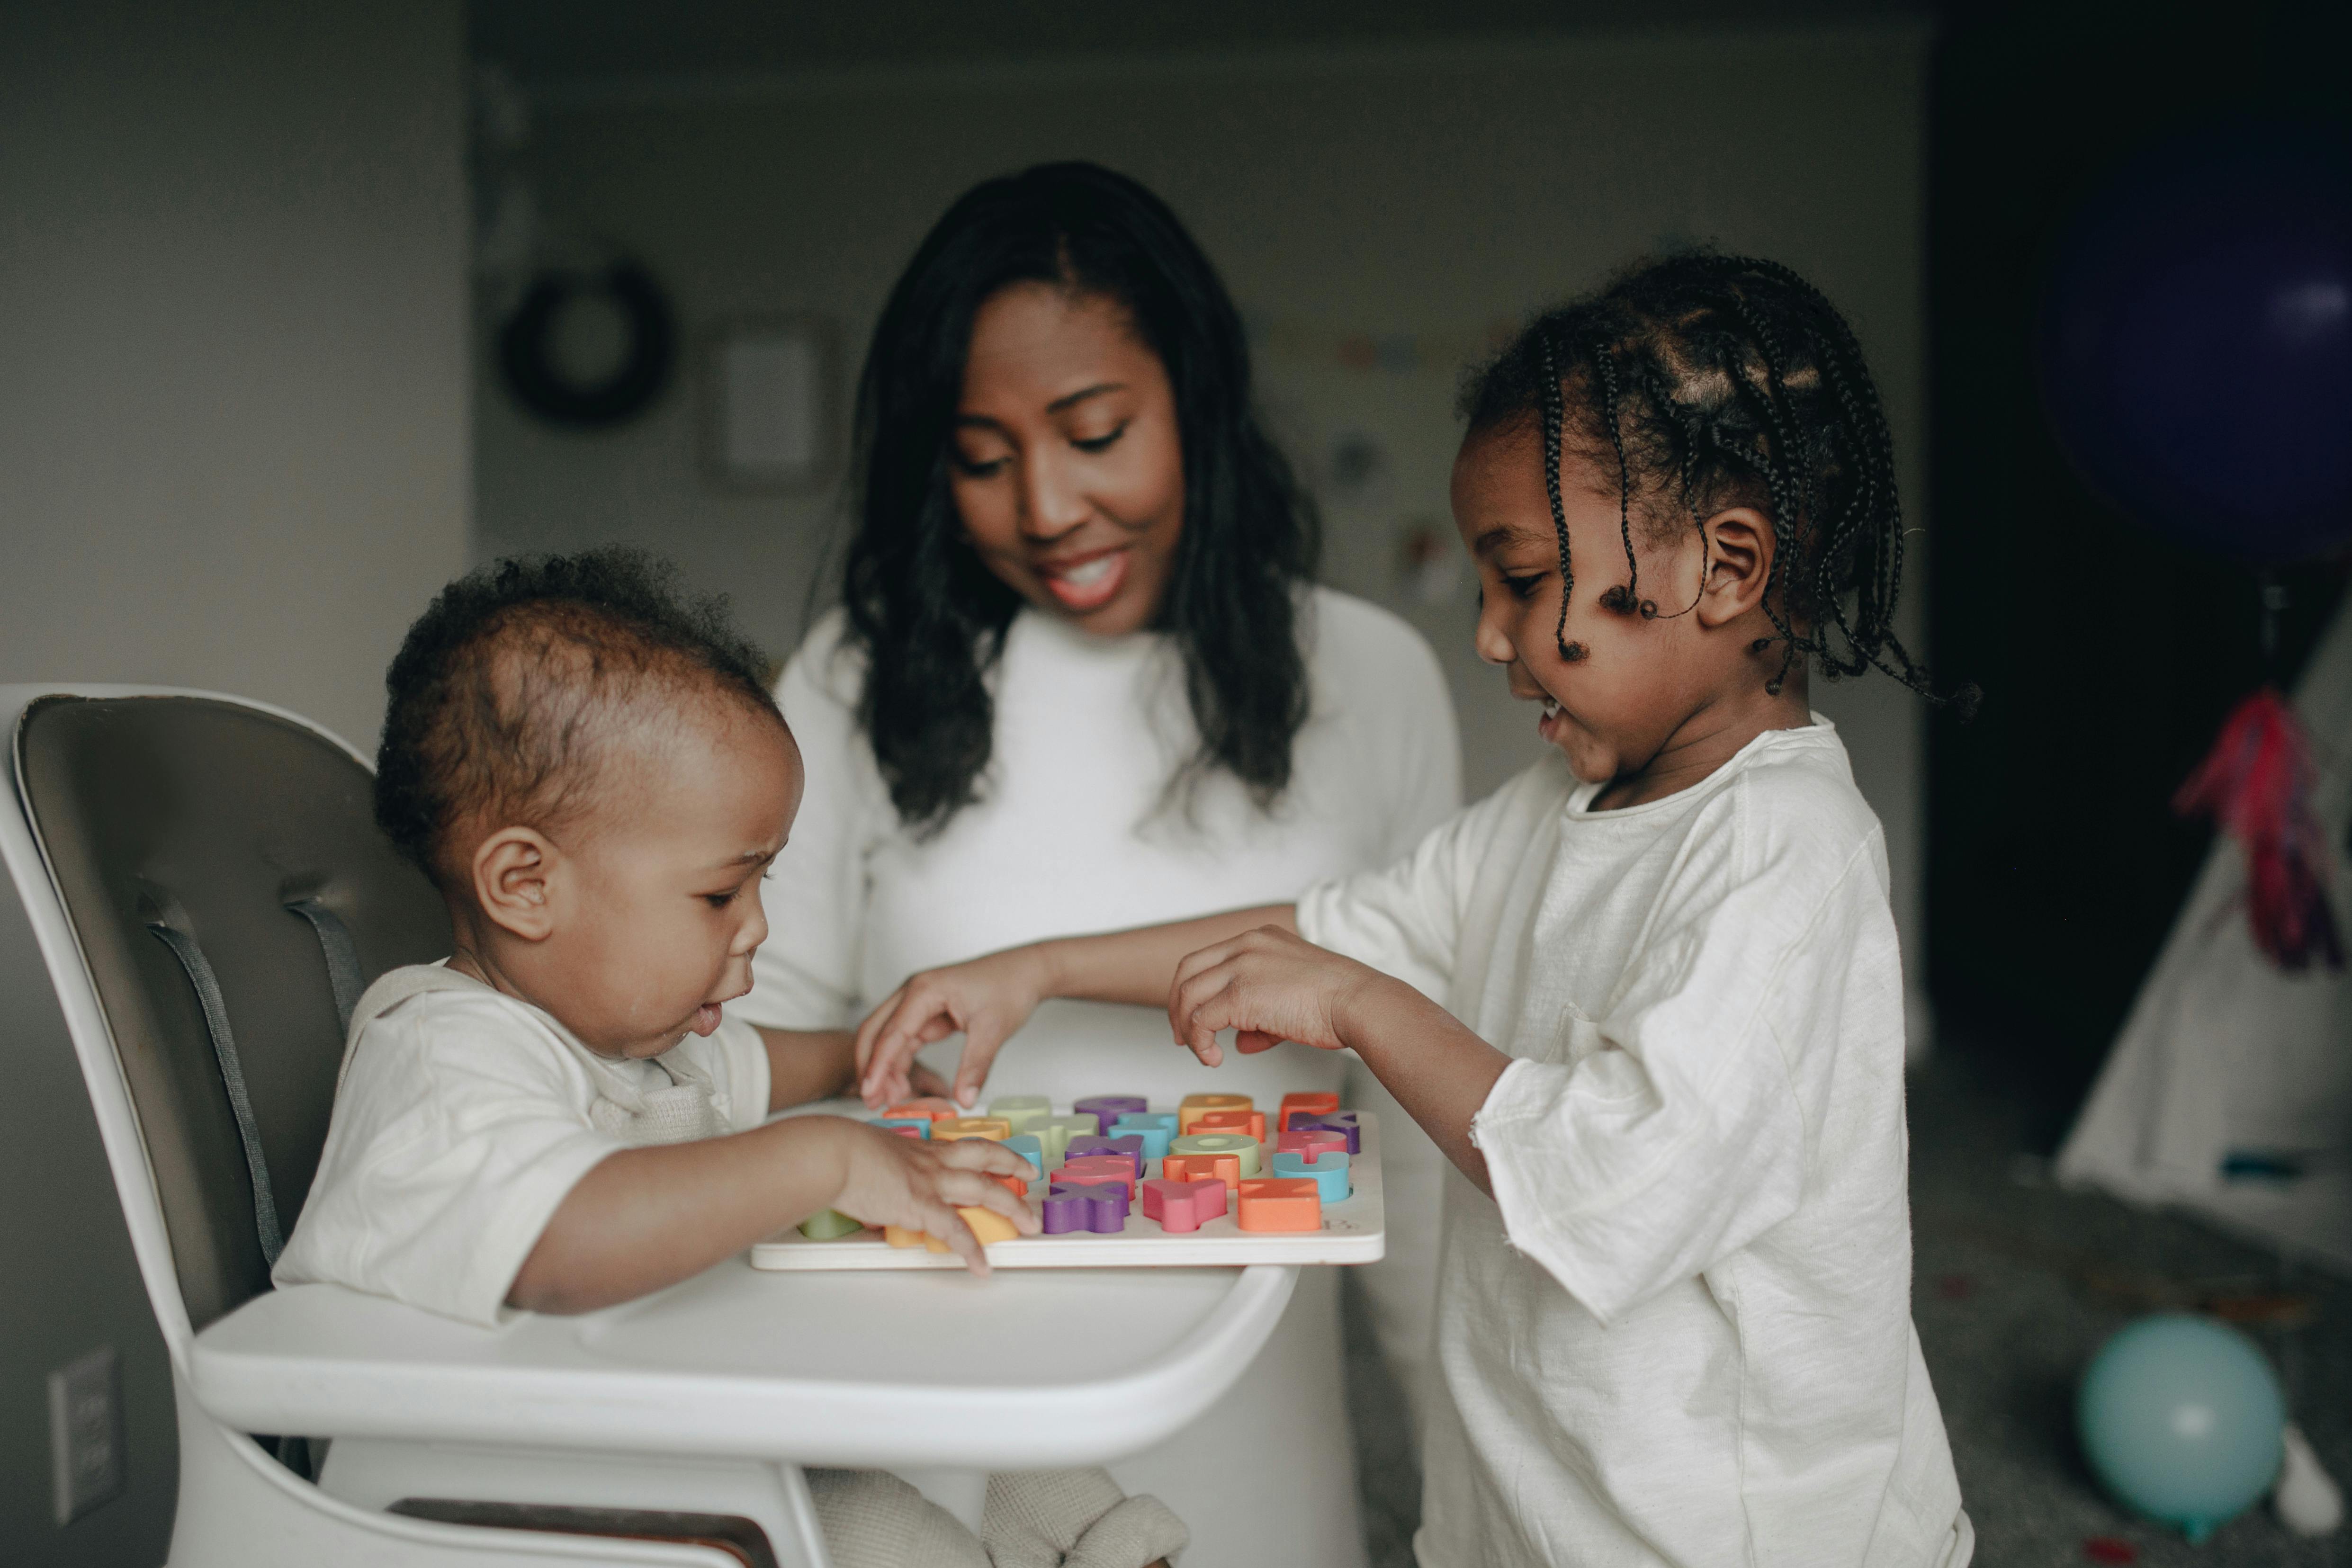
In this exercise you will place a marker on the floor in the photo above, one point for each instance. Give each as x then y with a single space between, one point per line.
2017 1283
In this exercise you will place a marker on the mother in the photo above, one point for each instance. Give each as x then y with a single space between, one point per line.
1081 679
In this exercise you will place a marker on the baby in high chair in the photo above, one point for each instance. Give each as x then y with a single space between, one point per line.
559 1116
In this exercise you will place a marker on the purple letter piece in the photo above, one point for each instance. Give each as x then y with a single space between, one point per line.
1108 1108
1097 1206
1340 1121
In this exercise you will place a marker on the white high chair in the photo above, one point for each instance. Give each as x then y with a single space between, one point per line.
208 894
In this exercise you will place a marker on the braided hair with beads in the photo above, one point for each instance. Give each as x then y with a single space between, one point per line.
1709 381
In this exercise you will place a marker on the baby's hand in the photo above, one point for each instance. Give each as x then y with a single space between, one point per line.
919 1184
1269 985
987 999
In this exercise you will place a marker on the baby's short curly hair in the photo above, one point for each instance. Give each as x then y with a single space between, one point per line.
508 693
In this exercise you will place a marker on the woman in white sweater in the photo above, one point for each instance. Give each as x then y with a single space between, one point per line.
1081 680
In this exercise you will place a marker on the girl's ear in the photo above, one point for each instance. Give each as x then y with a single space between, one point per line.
512 869
1740 549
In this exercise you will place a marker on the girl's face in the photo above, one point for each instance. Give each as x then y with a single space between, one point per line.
1643 689
1066 467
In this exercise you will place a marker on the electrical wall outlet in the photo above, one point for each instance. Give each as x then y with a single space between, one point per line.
86 1433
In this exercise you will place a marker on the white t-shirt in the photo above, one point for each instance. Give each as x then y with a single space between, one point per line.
463 1118
1073 833
1680 1332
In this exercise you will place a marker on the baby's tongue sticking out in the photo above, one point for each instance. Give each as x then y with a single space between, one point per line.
705 1019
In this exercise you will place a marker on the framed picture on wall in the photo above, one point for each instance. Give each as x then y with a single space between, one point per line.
769 417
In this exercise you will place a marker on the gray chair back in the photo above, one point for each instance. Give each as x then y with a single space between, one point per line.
231 892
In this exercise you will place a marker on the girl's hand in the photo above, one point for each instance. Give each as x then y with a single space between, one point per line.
1270 985
919 1184
987 1000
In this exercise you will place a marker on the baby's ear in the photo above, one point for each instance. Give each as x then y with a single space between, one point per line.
1740 546
512 869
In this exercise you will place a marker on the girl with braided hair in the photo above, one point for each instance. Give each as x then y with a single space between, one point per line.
1646 996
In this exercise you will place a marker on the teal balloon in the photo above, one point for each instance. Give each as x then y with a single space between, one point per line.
2182 1418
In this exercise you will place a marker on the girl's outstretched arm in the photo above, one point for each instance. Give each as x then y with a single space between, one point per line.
989 998
1274 985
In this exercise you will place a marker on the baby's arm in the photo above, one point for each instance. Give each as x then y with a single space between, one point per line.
643 1219
989 998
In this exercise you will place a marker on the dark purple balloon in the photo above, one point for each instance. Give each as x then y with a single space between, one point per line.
2195 342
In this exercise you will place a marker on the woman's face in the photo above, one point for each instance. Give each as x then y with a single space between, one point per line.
1067 469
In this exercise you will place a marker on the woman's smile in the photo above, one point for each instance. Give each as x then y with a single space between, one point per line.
1080 584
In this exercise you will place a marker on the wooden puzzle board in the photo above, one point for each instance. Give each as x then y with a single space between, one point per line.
1353 1232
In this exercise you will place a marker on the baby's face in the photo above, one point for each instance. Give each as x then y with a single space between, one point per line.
658 904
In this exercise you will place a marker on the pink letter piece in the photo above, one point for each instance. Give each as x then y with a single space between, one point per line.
1182 1206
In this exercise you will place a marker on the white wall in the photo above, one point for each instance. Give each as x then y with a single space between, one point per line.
235 436
1420 195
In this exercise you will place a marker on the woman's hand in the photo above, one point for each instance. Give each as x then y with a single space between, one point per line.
918 1185
1270 985
987 1000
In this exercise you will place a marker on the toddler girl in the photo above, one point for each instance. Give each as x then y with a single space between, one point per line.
1647 996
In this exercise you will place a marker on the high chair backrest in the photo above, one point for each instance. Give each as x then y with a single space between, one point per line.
232 896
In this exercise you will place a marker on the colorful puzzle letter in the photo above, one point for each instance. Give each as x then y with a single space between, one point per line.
988 1225
905 1126
1342 1123
1194 1106
1326 1168
996 1129
1308 1106
1108 1108
930 1107
1240 1146
1277 1205
1028 1147
1226 1168
899 1235
826 1223
1056 1133
1182 1206
1250 1124
1017 1111
1155 1128
1303 1140
1100 1168
1096 1206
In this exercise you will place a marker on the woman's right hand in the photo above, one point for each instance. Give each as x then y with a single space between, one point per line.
918 1185
986 998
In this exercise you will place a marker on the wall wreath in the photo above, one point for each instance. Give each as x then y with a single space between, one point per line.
527 359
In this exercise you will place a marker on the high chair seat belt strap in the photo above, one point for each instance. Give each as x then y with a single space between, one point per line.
342 954
248 1132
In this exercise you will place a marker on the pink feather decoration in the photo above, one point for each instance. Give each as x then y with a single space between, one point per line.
2256 783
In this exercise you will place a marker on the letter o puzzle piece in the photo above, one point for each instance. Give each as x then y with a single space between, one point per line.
1226 1168
1182 1205
1195 1105
1326 1168
1240 1146
1278 1205
1108 1108
1095 1206
1307 1106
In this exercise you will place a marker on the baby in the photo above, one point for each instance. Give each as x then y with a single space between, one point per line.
561 1116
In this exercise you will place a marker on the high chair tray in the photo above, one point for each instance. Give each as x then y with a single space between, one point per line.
1350 1230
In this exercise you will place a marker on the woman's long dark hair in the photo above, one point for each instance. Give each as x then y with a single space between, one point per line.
930 617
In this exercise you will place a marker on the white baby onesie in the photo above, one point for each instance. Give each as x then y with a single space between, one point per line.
1680 1331
463 1117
